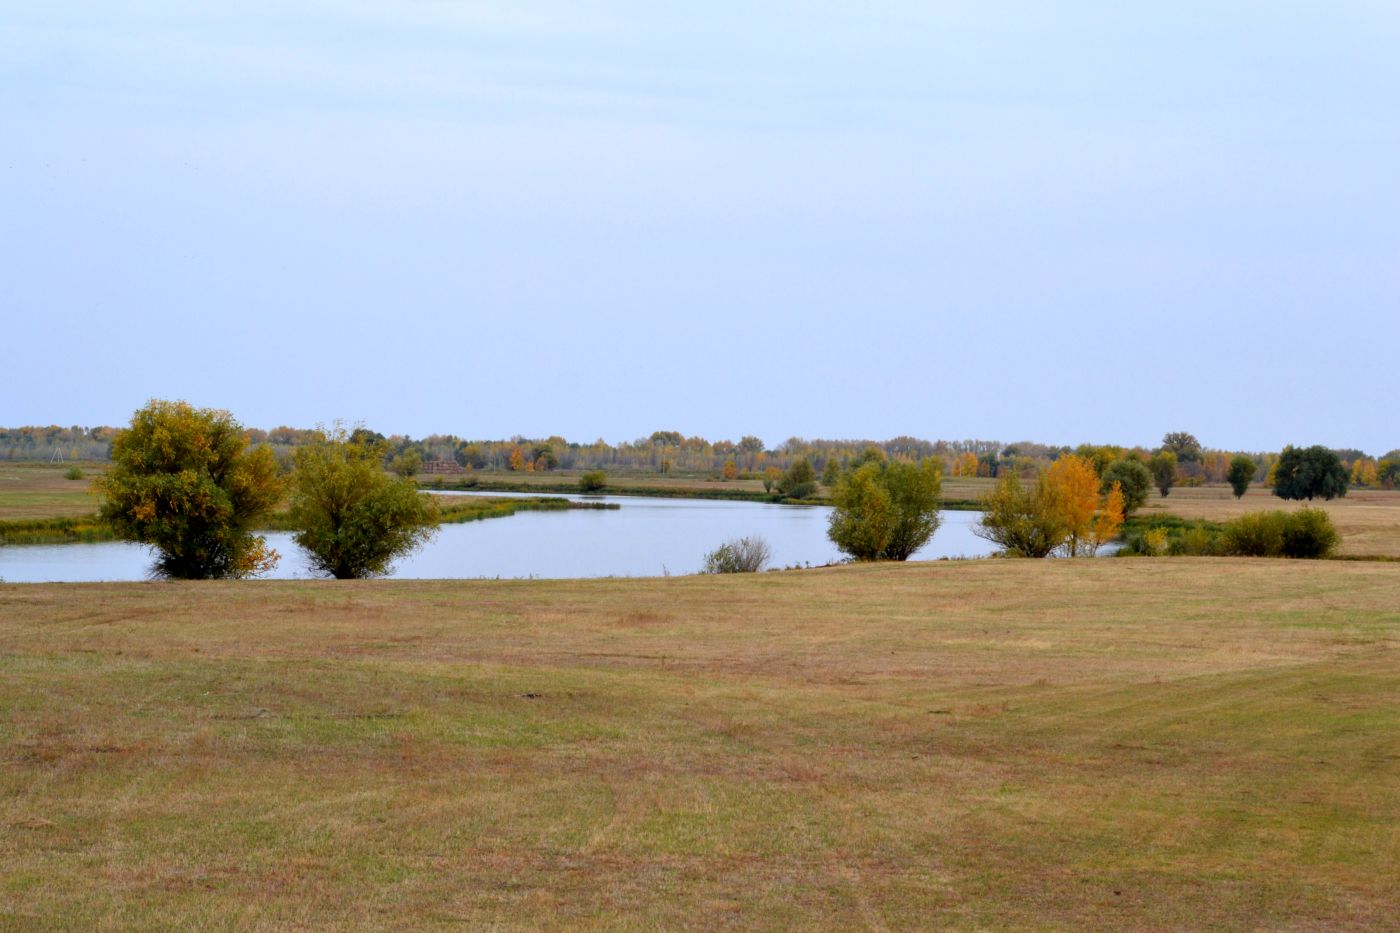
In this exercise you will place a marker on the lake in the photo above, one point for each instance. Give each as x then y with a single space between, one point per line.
646 537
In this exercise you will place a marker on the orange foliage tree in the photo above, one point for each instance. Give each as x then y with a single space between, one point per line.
1089 519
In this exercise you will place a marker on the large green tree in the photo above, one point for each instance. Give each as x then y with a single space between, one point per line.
184 481
1134 478
1183 444
886 511
352 518
1309 472
1163 467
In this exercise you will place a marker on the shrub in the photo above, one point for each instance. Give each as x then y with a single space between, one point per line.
799 480
1305 534
73 473
1164 535
742 555
592 481
1154 542
1196 541
1258 534
1309 534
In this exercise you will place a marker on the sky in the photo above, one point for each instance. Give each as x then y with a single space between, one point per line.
1058 220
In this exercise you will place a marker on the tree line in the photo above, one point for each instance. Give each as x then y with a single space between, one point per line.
1180 460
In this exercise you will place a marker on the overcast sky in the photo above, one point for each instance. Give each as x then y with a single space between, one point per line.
1063 221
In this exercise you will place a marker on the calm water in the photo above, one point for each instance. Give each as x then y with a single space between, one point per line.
644 538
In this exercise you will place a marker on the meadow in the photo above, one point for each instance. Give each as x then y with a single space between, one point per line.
1186 743
32 491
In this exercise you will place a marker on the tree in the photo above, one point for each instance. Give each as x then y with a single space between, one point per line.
1388 472
831 473
886 511
771 477
351 517
1066 509
407 464
184 481
592 481
1364 472
730 470
871 454
1309 472
1074 492
1241 474
544 456
1135 479
914 491
1163 467
1021 519
1109 519
1183 444
863 520
799 480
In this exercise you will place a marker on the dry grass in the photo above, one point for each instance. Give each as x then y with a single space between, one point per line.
40 490
1368 519
1113 744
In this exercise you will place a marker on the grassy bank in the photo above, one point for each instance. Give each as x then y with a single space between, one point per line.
680 488
993 744
90 528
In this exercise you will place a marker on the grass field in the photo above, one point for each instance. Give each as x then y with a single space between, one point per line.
40 490
1112 744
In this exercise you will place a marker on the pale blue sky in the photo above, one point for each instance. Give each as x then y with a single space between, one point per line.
1065 221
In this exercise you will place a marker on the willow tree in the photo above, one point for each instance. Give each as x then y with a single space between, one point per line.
185 482
1066 510
886 511
351 517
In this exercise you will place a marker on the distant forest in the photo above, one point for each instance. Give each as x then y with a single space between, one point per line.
671 451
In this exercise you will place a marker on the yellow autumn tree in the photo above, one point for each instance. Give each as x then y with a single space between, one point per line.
730 470
1073 486
1108 520
517 459
1364 473
966 465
